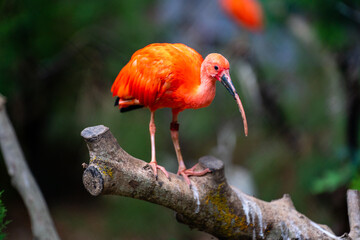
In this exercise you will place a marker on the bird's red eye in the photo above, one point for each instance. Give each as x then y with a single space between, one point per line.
216 67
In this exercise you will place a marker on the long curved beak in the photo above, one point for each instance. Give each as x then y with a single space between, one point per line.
226 81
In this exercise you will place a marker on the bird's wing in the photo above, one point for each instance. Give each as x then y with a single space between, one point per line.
156 69
137 79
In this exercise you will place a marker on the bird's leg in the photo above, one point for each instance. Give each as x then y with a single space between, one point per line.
174 129
153 163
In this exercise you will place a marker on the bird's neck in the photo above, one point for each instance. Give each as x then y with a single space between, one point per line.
205 92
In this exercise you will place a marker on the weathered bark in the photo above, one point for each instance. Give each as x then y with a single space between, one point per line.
211 205
22 179
353 201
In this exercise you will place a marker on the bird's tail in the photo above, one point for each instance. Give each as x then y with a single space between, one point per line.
127 105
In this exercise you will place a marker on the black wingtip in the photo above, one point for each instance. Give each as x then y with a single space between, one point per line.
116 101
129 108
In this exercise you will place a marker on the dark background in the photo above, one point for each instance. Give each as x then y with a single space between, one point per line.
298 80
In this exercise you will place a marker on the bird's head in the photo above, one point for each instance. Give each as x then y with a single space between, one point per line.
217 67
215 64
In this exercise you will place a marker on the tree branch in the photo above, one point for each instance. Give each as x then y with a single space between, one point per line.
212 205
22 179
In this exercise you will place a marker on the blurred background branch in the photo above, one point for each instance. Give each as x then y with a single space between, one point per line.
22 179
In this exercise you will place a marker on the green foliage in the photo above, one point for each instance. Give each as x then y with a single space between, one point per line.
355 183
3 223
332 180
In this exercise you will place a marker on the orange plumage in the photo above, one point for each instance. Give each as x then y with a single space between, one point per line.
175 76
157 70
247 13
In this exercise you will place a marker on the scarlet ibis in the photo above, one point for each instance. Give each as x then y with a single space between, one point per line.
164 75
247 13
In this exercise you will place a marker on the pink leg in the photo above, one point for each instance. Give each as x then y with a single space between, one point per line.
153 162
174 129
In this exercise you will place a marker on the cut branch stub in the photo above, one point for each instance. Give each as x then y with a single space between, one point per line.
211 205
93 133
93 181
96 137
216 167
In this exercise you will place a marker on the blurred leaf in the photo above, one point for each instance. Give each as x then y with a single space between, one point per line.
332 179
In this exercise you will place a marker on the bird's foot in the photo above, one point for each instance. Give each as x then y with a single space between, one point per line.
155 167
190 172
